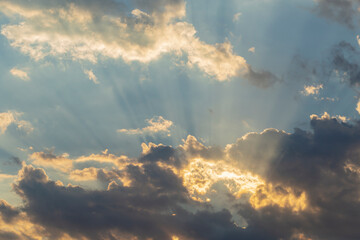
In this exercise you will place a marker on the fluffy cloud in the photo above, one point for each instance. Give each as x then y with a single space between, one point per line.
311 90
12 117
277 185
155 125
20 74
89 31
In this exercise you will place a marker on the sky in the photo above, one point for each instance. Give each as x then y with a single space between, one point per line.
179 119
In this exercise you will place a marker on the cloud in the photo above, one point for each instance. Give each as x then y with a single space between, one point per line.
20 74
263 79
268 185
344 59
6 176
11 117
236 16
99 30
327 116
345 12
64 163
91 76
311 90
49 159
341 62
252 49
155 125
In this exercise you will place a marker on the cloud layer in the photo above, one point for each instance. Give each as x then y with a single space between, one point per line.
277 185
96 30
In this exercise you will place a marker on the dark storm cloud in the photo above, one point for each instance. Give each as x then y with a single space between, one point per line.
323 163
144 210
164 154
342 11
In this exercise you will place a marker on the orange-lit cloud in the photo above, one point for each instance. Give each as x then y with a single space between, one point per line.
13 117
77 31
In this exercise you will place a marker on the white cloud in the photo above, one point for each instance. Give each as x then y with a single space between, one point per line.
12 117
155 125
92 31
91 76
20 74
312 90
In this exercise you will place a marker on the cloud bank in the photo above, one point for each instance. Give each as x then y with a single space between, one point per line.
93 30
269 185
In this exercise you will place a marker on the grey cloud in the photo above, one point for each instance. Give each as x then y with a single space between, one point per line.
342 11
9 236
342 60
323 163
315 162
263 79
143 210
345 58
7 212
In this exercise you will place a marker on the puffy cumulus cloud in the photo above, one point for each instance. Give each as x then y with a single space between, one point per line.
143 32
23 75
314 163
326 116
268 185
312 90
12 117
149 208
155 125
